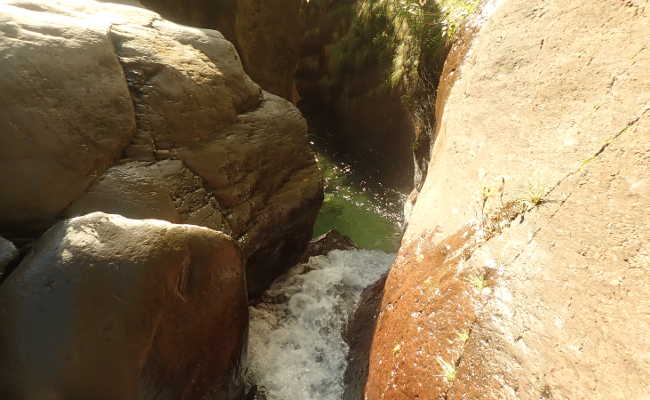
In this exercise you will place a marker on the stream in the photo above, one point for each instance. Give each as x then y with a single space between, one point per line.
296 345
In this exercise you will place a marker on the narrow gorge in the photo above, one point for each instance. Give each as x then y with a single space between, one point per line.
324 199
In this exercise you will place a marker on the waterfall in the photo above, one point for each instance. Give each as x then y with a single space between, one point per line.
296 348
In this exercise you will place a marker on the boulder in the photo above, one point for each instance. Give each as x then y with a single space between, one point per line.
328 241
8 254
65 114
542 149
267 34
150 120
105 307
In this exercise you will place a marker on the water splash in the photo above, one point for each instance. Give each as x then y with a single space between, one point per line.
296 348
370 214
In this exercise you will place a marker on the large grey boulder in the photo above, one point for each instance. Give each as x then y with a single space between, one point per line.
105 307
108 107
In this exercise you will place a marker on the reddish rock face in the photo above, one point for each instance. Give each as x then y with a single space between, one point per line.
425 319
543 143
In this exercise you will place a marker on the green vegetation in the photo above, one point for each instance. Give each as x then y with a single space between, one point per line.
535 196
477 281
448 370
359 212
405 39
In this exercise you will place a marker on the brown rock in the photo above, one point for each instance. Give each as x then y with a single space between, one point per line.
65 114
105 307
267 34
549 118
328 241
130 191
202 143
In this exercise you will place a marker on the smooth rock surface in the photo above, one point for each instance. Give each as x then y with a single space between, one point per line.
105 307
119 110
65 114
550 110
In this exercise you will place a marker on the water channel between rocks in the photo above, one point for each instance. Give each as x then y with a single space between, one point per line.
296 346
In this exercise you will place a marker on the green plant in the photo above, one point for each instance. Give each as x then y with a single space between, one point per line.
463 336
536 195
448 370
477 281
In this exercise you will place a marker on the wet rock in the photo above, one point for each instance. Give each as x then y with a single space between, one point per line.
331 240
152 120
545 303
358 336
106 307
8 253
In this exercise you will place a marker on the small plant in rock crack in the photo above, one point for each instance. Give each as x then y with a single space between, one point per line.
448 370
477 281
463 337
535 196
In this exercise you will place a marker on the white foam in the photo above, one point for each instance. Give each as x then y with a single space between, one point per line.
296 350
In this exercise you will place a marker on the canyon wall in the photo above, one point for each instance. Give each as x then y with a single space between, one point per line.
523 271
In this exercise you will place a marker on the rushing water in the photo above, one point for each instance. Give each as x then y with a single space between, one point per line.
296 345
296 348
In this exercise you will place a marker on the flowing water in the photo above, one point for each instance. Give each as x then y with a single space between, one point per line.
296 348
296 345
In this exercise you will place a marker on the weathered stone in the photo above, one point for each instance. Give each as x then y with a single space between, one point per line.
267 34
271 203
543 147
199 143
164 190
65 114
328 241
104 307
8 253
132 190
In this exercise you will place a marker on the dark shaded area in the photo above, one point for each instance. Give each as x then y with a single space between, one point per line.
359 336
212 14
381 113
342 82
323 244
267 34
267 263
11 266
